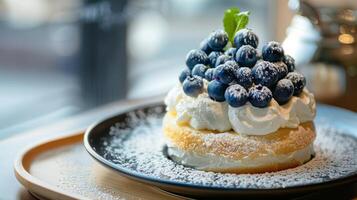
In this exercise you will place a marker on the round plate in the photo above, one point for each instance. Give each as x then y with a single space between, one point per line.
131 144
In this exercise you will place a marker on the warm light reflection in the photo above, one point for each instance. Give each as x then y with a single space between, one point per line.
346 38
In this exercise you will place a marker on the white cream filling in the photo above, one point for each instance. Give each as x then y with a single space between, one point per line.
207 162
200 112
250 120
203 113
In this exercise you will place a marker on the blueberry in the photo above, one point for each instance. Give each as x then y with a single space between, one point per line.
283 91
209 74
245 37
260 96
282 69
273 52
236 95
195 57
222 59
186 72
231 52
218 40
204 46
224 73
246 56
254 69
212 57
289 62
193 86
199 70
233 64
216 90
265 73
244 77
298 81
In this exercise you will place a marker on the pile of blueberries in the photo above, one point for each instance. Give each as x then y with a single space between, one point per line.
239 74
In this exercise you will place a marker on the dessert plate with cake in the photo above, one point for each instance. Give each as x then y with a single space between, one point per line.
239 121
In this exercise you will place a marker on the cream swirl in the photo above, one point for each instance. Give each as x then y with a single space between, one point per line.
173 97
250 120
203 113
200 112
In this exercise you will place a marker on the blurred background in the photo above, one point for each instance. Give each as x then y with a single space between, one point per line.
61 58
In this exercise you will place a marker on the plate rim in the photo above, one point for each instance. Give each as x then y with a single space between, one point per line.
157 181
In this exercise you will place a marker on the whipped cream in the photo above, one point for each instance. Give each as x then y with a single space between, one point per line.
200 112
251 120
204 113
173 97
207 162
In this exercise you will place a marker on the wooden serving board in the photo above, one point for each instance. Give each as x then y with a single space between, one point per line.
62 169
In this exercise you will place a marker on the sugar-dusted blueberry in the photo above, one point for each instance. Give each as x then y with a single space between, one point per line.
260 96
222 59
199 70
273 52
218 40
265 73
245 37
236 95
232 63
184 73
282 69
244 77
195 57
193 86
298 81
209 74
224 73
216 90
212 57
204 46
255 69
289 62
246 56
283 91
231 52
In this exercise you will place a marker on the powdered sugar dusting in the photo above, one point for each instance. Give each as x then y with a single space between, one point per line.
139 149
217 141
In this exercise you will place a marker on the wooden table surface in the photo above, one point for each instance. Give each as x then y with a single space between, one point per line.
10 188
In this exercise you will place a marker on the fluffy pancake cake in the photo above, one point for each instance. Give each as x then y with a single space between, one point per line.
237 111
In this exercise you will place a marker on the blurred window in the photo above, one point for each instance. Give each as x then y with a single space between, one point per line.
59 58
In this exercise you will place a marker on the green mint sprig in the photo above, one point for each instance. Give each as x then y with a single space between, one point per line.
233 21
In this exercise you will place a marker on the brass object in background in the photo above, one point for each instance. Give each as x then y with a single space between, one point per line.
323 39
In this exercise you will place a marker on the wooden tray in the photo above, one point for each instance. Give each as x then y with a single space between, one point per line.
62 169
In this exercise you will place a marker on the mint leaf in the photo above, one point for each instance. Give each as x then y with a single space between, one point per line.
230 22
242 20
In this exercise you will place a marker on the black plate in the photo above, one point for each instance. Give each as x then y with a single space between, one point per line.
99 132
